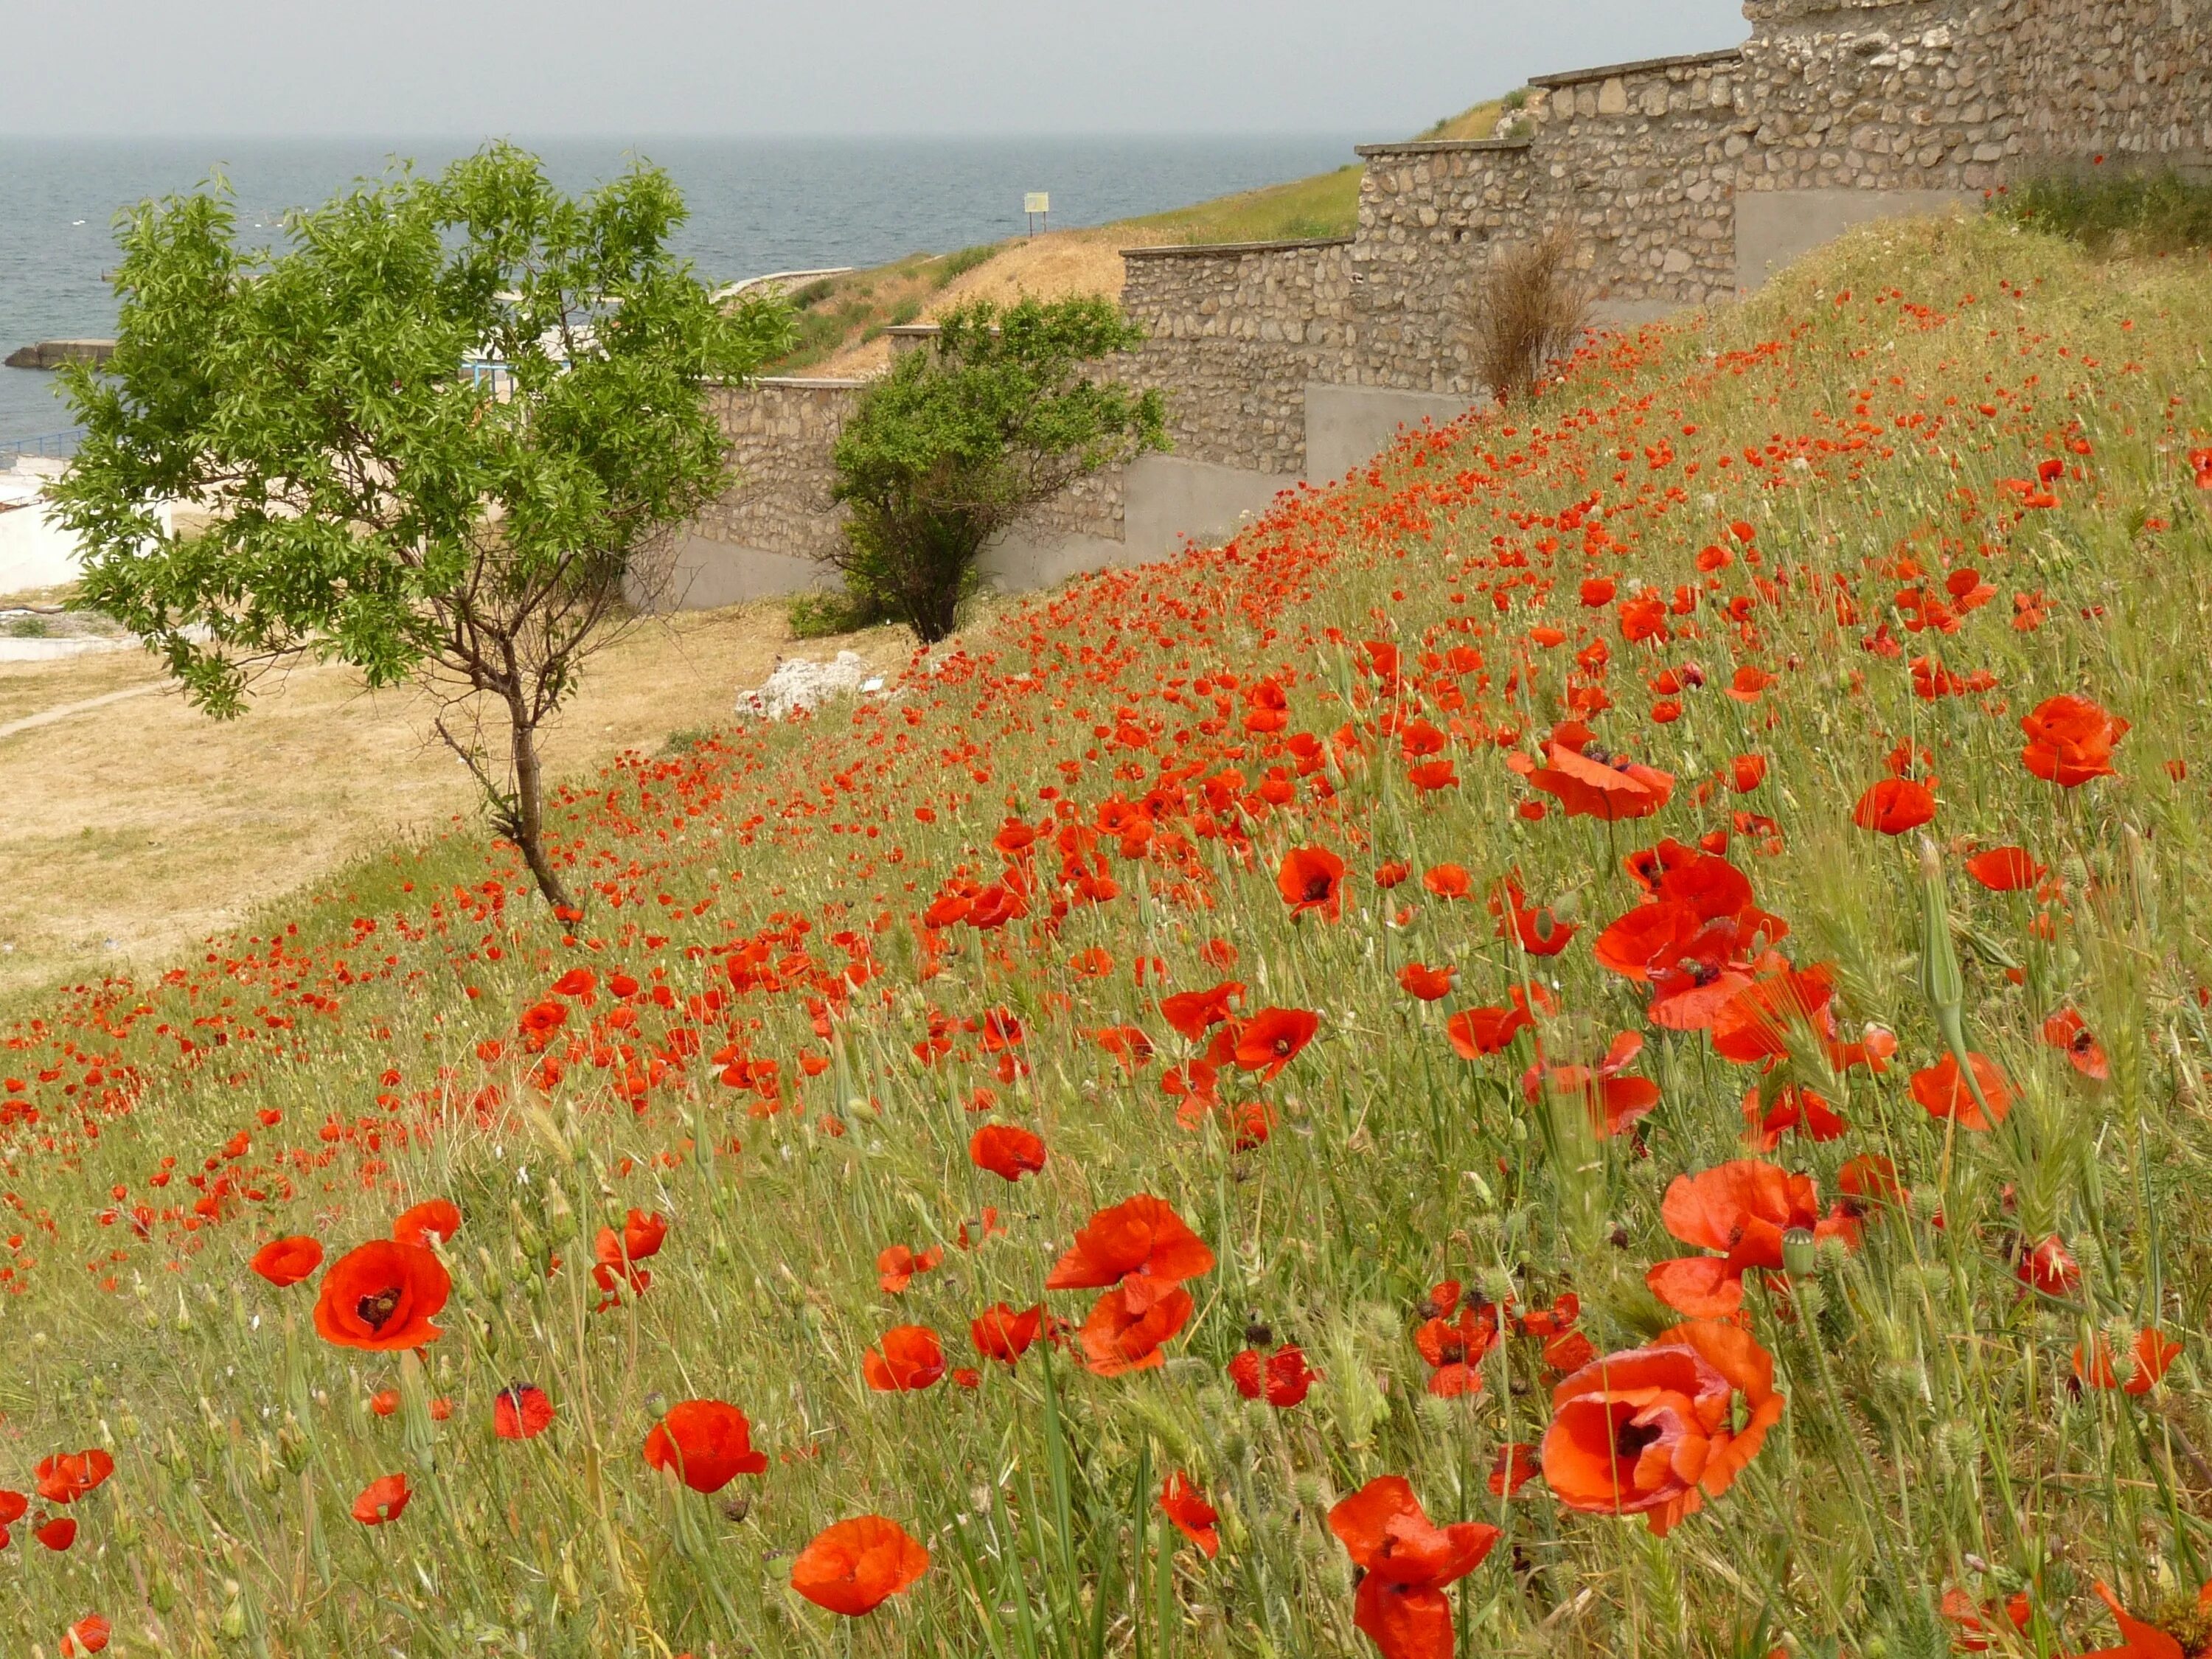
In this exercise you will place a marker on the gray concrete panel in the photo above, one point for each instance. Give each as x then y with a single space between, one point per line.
1347 425
1022 560
1774 227
704 574
1168 500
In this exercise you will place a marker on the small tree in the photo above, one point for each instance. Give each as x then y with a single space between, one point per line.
1531 311
436 436
960 442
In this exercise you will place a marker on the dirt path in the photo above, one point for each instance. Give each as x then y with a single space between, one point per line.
135 825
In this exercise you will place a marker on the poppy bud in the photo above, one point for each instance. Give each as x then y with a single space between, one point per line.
1798 1252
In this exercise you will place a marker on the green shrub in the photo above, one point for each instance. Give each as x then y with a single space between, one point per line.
821 612
953 266
959 442
2115 212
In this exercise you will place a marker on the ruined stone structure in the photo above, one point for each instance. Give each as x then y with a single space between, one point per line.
1686 181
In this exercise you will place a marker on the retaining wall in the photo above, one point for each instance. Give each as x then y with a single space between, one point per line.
1684 180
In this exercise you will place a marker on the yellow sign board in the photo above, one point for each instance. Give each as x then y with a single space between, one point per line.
1038 201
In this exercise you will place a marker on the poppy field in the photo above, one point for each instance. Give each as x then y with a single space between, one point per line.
1592 1042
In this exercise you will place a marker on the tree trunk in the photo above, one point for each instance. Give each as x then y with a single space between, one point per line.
526 825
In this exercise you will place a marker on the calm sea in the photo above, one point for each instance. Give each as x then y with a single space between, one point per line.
757 204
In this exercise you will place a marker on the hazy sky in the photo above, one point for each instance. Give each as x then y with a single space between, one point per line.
621 67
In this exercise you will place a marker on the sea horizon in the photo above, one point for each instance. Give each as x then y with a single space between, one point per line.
757 203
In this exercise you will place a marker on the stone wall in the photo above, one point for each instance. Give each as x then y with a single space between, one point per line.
1634 159
1431 216
1233 334
1685 180
781 433
1934 94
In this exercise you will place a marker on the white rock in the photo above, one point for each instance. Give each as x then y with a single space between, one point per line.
802 683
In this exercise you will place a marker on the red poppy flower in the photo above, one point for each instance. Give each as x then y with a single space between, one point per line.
1312 879
1281 1378
1448 881
1139 1236
1942 1090
437 1218
1127 1326
2143 1640
643 1234
1272 1038
1475 1032
1408 1561
1000 1333
1186 1508
1747 773
1513 1468
2150 1356
910 1358
1193 1013
705 1444
1429 984
285 1262
1006 1151
1540 934
2005 869
1649 1432
57 1533
576 983
1761 1021
898 1266
385 1498
2050 1268
521 1411
1588 783
1454 1348
12 1507
88 1635
2066 1031
67 1476
1894 805
1794 1107
381 1297
1615 1101
854 1567
1741 1209
2069 741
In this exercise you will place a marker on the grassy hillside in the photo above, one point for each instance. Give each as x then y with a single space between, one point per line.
1466 903
843 313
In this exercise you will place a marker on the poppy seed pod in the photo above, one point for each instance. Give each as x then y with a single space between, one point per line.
1798 1255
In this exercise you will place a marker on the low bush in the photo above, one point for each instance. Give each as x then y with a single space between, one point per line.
2125 213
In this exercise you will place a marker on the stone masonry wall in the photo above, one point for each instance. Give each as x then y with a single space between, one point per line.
1430 216
1233 334
781 435
1634 159
1646 162
1934 94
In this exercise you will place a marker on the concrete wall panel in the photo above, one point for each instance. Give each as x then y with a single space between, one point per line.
1169 500
1346 425
1773 228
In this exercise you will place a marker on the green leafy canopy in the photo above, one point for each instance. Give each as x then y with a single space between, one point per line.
960 440
371 498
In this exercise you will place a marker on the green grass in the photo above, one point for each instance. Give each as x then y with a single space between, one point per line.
1933 1442
2128 213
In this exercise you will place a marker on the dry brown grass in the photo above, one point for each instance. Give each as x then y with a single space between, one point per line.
1530 311
1056 266
140 826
